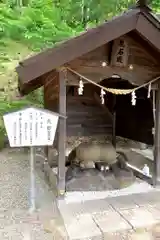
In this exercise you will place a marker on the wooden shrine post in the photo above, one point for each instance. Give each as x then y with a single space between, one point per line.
114 122
46 149
62 133
156 170
50 103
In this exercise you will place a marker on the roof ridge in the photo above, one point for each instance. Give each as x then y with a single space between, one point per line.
142 3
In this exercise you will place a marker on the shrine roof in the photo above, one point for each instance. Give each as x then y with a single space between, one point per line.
137 20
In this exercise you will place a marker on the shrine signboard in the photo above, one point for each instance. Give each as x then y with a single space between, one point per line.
31 127
119 53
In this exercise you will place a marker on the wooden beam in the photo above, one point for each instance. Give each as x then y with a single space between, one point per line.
49 104
156 168
45 107
62 133
145 45
149 32
114 123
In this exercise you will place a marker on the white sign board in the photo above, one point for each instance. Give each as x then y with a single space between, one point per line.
31 127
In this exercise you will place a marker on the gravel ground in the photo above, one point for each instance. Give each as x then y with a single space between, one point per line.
15 221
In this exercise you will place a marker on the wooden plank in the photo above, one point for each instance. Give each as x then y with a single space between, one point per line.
97 129
62 134
114 123
156 169
154 86
105 109
148 51
75 132
74 126
85 109
86 113
148 31
49 83
98 126
84 132
79 99
92 122
46 148
97 133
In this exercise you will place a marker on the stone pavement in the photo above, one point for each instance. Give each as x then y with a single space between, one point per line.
124 217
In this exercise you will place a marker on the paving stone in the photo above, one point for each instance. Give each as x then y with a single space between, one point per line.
91 238
87 207
56 228
130 235
110 221
139 217
122 202
151 199
82 227
71 210
142 236
156 231
96 206
154 211
118 235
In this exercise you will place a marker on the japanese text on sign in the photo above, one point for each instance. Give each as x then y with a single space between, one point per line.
31 127
120 53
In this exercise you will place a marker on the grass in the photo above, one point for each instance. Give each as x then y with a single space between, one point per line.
11 52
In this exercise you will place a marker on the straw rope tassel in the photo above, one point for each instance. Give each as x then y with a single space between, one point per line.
113 90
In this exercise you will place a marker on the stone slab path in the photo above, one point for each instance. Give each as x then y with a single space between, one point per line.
134 216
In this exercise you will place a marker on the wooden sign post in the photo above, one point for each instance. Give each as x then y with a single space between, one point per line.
31 127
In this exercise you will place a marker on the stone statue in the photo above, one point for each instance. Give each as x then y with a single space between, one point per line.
88 158
87 154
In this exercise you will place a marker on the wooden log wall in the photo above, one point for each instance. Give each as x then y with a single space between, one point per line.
85 115
51 91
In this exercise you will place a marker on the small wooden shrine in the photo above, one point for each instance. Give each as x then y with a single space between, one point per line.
87 73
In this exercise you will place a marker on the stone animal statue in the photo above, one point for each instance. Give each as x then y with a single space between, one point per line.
75 172
120 178
87 153
100 155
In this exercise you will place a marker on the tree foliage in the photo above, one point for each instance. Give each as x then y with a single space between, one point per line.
42 23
